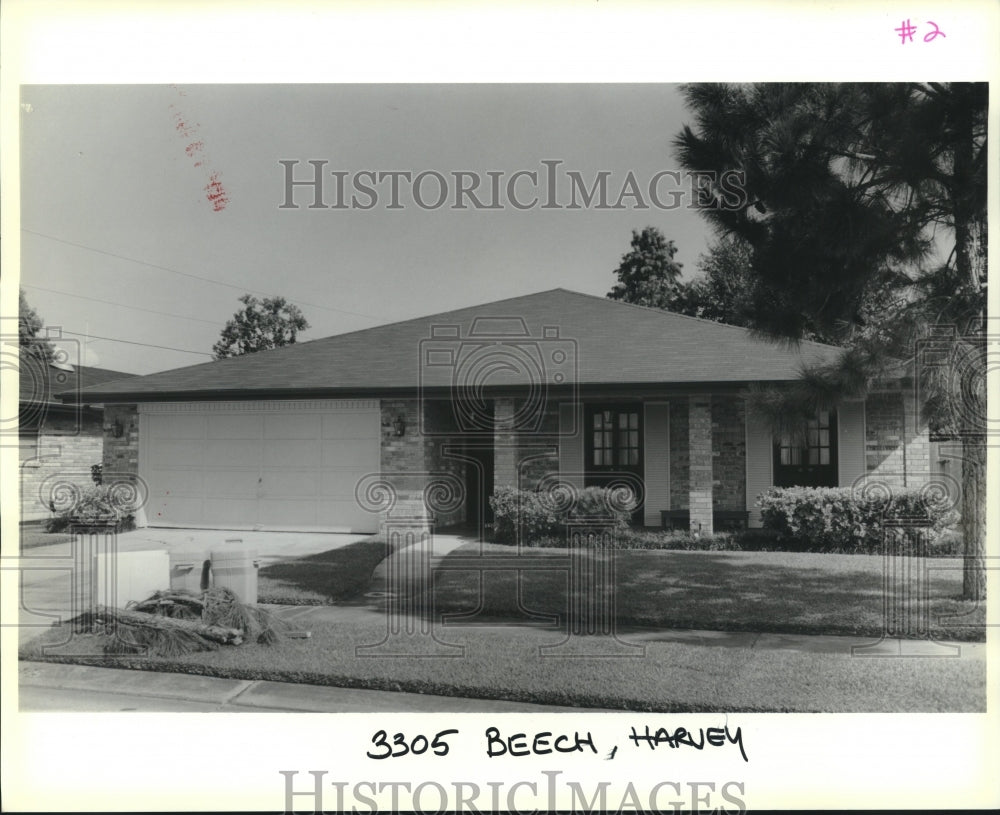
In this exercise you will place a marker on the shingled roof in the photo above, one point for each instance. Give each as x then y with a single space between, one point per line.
41 381
504 343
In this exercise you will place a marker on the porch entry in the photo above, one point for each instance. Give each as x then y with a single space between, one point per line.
613 445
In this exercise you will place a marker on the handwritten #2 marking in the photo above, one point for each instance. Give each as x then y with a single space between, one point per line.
906 31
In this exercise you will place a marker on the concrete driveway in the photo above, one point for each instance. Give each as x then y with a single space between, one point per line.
48 574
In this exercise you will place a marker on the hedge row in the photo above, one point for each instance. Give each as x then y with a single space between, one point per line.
841 519
530 516
795 519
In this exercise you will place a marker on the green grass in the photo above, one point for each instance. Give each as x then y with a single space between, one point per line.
505 663
34 535
791 592
338 575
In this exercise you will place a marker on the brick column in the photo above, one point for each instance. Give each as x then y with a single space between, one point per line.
504 444
700 453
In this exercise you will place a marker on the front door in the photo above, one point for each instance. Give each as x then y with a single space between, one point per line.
614 445
808 458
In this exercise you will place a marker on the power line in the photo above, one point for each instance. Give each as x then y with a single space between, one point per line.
131 342
123 305
192 276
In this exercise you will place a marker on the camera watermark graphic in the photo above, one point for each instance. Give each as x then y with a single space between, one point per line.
312 184
44 370
910 520
953 364
67 592
497 352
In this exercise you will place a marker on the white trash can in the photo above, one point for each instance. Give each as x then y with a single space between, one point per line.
235 568
189 570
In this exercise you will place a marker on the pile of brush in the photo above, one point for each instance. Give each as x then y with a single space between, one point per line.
176 622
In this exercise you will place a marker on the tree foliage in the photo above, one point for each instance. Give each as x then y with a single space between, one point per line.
260 326
648 275
29 327
865 213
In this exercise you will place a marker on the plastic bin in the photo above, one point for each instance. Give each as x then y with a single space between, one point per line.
126 576
189 570
235 568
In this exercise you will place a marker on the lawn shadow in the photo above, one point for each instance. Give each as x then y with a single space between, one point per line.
338 575
735 591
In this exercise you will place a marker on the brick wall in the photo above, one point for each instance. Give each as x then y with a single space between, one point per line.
442 434
884 437
679 459
701 462
402 459
122 455
63 451
538 447
729 452
897 444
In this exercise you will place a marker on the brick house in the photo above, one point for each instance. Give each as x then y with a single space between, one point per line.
58 442
532 391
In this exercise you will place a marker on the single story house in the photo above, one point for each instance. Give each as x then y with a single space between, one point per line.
58 441
554 386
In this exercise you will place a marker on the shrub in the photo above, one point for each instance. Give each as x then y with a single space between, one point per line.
680 541
837 519
540 518
95 505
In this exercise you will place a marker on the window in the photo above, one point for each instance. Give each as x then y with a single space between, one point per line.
808 458
615 437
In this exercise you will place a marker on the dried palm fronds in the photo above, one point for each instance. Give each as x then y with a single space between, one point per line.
175 622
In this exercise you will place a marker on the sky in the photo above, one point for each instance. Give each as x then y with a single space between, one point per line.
147 210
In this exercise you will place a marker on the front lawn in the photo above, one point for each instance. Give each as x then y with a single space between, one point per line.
34 535
338 575
790 592
505 663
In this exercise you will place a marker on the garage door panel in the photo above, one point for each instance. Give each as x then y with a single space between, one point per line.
291 453
235 426
291 484
235 511
346 452
347 515
277 466
172 427
185 482
175 509
181 453
339 483
232 453
288 513
350 426
232 482
291 426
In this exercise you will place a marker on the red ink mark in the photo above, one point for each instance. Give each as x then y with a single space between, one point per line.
216 193
195 149
906 32
937 32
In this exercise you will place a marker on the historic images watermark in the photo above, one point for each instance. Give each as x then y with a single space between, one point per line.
312 185
546 792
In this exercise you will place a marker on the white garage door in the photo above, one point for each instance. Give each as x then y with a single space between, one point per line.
290 465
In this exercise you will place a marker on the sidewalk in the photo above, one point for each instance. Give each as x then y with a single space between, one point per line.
44 686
